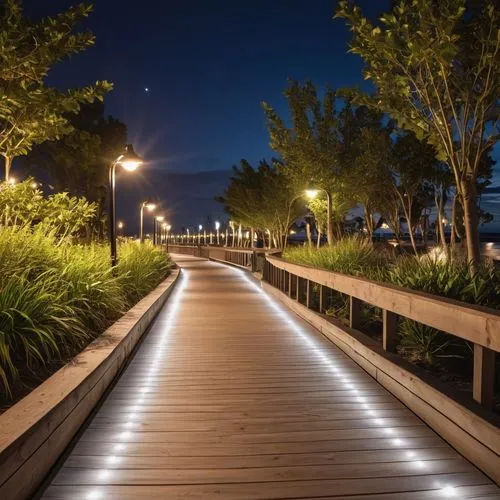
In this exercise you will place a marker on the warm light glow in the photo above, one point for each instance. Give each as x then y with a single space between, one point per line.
131 165
150 206
160 218
34 185
311 193
12 180
169 227
120 225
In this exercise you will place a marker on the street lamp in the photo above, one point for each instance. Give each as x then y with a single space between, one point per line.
200 227
130 161
121 225
157 219
150 206
311 194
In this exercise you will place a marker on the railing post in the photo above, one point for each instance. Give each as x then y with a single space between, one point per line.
290 284
297 295
483 386
355 312
308 293
323 298
390 330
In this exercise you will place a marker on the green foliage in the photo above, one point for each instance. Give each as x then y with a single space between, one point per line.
61 214
140 268
31 112
436 69
56 299
262 198
356 256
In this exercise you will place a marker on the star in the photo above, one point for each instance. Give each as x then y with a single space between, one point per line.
146 89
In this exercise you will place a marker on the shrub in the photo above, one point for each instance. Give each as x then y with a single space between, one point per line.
56 299
352 255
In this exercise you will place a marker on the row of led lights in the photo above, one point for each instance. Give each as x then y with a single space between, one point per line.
445 490
118 449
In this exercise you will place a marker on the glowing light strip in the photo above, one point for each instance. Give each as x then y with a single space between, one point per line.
172 313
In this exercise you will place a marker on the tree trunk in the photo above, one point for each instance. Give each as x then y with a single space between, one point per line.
368 222
471 221
440 225
318 242
308 233
329 225
8 165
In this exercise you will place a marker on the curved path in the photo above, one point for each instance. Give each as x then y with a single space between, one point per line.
231 396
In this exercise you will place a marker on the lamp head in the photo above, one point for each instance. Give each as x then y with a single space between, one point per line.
217 225
160 218
200 227
169 227
130 160
311 193
150 205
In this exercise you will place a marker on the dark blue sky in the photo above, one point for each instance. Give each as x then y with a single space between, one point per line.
208 65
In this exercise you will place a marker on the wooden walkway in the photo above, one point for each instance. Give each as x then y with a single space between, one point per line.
231 396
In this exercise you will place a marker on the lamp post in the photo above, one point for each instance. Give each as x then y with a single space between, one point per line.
200 227
311 194
150 205
187 240
217 228
157 219
130 161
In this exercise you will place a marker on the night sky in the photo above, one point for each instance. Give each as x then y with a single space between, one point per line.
207 65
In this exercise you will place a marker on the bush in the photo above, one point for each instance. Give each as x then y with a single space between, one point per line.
56 299
356 256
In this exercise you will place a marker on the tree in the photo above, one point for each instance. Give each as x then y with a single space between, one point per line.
261 199
30 112
78 162
310 149
436 69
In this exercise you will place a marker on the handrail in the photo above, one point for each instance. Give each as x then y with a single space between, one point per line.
476 324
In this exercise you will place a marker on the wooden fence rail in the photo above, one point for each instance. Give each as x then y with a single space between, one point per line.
478 325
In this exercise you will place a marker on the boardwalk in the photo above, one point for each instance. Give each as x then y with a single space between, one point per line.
232 397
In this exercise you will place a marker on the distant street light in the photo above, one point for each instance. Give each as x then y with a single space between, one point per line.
130 161
12 181
217 228
150 206
121 225
157 219
200 227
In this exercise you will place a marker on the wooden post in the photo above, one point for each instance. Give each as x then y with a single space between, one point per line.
323 298
290 284
390 328
355 312
483 387
297 295
308 294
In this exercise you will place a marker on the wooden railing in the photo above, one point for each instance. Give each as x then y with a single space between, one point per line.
249 259
478 325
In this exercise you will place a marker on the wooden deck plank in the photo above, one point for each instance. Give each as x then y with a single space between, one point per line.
230 396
